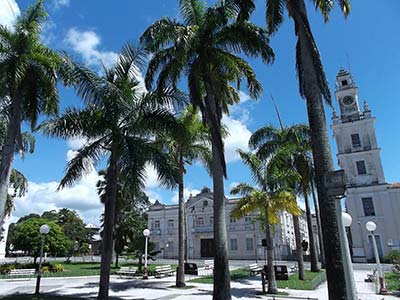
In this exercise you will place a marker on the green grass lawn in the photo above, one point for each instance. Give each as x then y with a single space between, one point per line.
311 282
86 269
392 281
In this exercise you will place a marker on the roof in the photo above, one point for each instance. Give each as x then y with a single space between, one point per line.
395 185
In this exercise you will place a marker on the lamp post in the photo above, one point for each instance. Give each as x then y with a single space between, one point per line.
371 227
146 234
350 283
44 229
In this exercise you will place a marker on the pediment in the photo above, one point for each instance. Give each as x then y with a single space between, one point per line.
200 202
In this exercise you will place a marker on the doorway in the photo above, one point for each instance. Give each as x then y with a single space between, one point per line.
207 247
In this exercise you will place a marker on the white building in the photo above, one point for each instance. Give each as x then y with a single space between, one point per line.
244 236
369 196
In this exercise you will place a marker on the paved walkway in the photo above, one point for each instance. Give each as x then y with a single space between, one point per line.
137 289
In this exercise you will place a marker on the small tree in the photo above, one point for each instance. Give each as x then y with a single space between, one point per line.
265 201
28 238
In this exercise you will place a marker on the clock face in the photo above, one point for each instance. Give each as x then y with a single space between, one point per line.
348 100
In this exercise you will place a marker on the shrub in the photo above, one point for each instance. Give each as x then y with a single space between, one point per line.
57 268
6 268
45 270
393 256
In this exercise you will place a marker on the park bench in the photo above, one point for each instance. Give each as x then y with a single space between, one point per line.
209 264
293 269
254 269
127 271
162 271
22 272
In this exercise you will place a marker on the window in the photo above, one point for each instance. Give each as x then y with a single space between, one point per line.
247 220
211 220
361 169
234 245
344 82
170 223
170 246
157 224
200 221
233 220
368 206
355 140
249 244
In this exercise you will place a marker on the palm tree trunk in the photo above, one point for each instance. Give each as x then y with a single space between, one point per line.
311 241
272 285
180 278
321 151
7 153
116 260
222 278
299 248
109 220
318 217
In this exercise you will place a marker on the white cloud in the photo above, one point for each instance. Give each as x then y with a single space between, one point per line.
186 193
44 196
76 142
238 138
57 4
87 43
244 97
9 11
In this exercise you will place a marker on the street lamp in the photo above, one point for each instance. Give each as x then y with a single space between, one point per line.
348 268
371 227
146 234
44 229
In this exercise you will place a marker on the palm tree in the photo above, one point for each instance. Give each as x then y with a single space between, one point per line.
119 122
190 144
269 142
268 203
295 155
28 84
205 46
18 184
313 87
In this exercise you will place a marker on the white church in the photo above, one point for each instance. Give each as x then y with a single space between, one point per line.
369 196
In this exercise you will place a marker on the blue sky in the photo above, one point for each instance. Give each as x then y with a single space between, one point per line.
91 31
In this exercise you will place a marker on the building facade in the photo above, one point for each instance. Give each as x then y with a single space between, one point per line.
369 196
244 235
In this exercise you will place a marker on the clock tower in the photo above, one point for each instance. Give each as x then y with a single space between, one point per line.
369 196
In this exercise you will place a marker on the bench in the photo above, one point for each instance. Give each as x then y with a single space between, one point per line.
293 269
254 269
127 271
163 271
209 264
22 272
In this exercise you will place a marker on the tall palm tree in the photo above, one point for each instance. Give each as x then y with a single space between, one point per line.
296 156
205 46
18 184
313 87
190 144
119 122
267 202
28 84
269 142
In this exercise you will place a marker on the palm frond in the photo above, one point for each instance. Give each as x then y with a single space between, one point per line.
192 11
83 162
274 10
